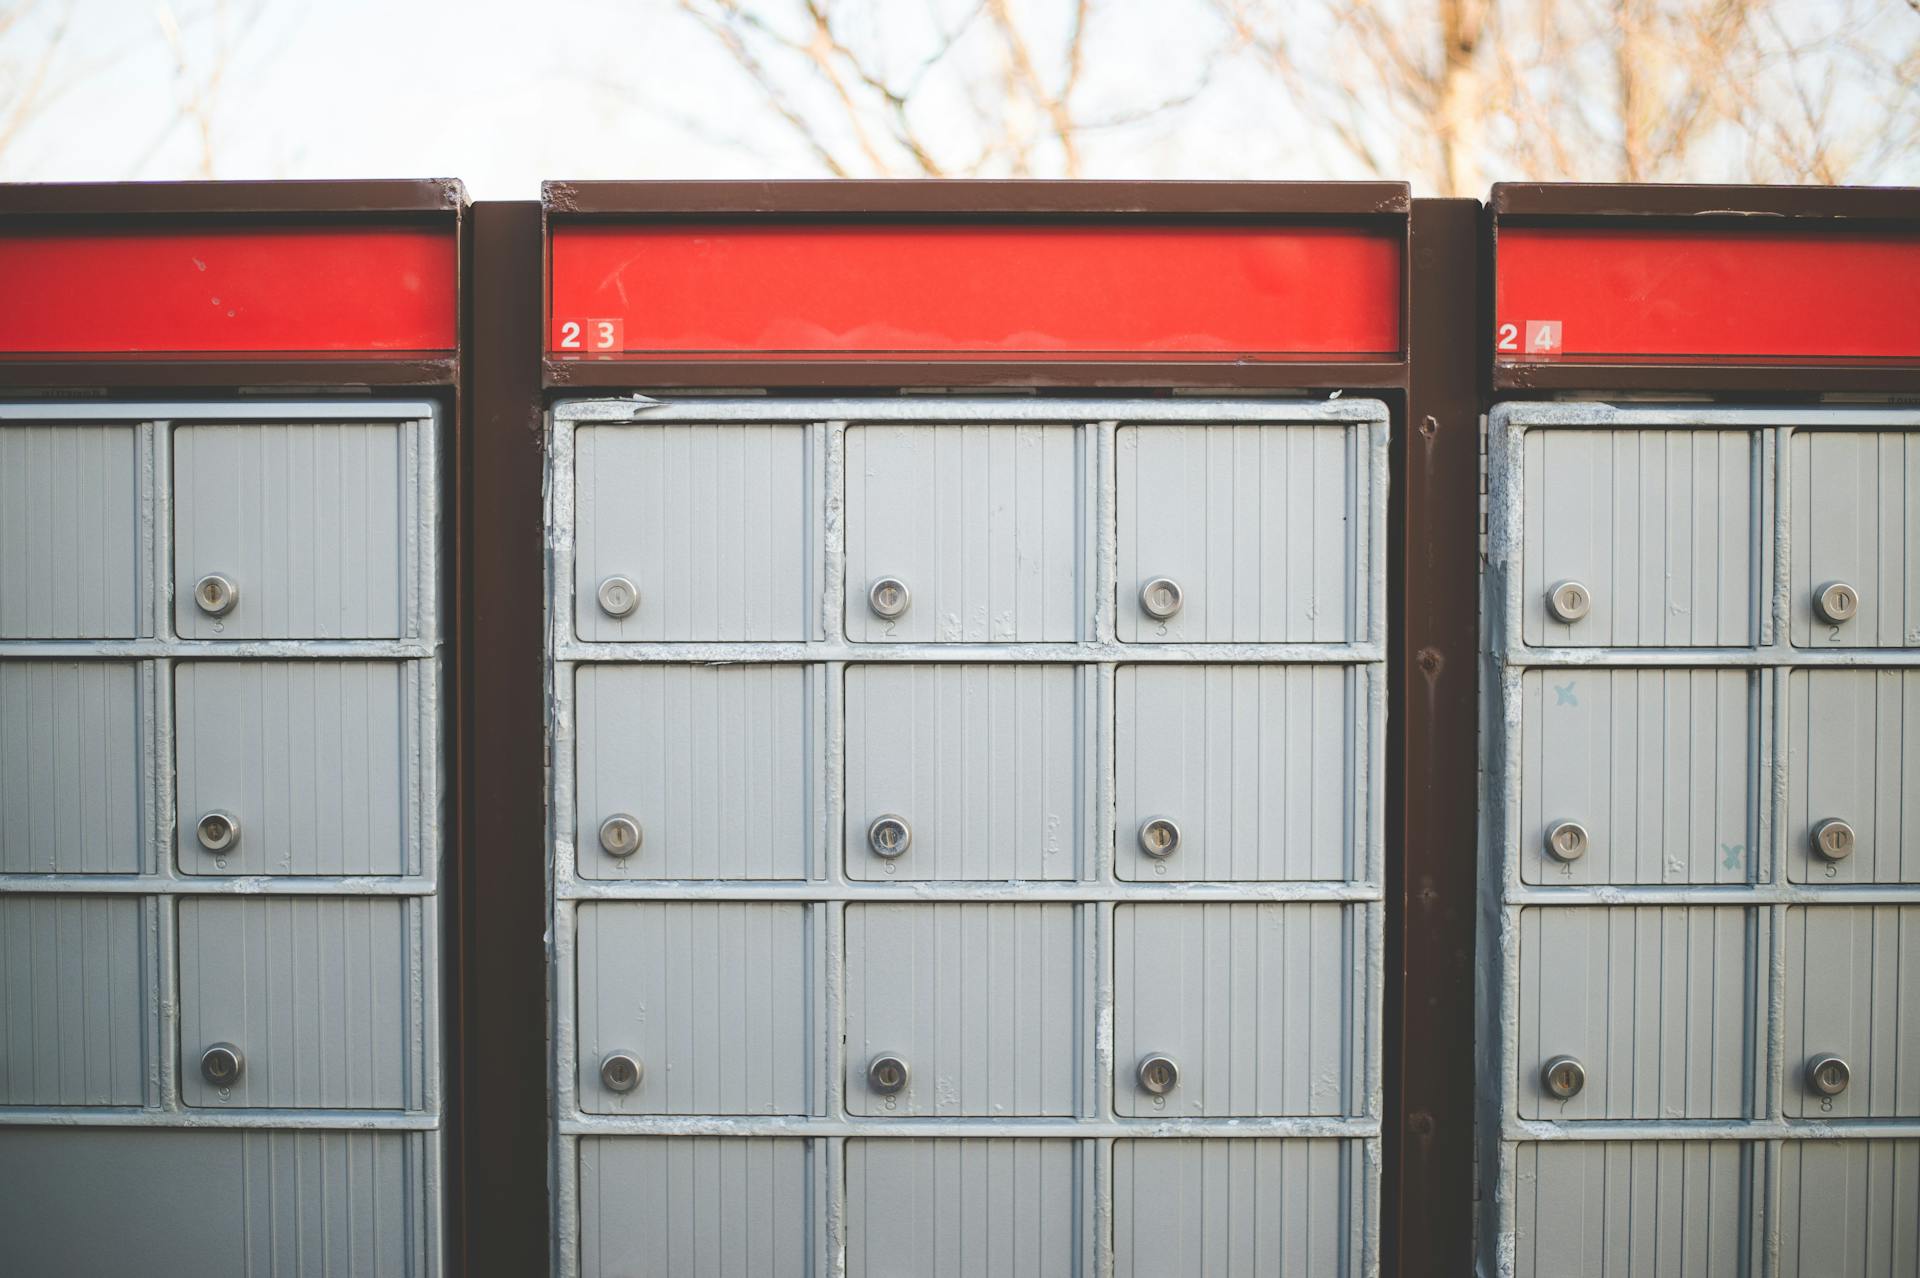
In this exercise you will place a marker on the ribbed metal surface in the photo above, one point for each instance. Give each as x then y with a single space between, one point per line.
1655 1002
984 524
268 1204
310 521
1856 519
70 536
985 764
982 1001
1853 990
964 1208
711 524
1849 1209
712 998
1658 524
73 1001
1636 1209
715 763
1853 754
1660 767
1259 525
311 757
1257 765
1250 1000
313 990
700 1207
73 796
1235 1208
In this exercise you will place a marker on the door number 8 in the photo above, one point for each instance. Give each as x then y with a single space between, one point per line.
598 335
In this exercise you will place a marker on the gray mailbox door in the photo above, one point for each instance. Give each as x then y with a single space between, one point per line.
1699 930
917 907
221 798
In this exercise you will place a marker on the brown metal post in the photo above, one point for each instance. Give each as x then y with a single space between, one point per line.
500 1217
1432 754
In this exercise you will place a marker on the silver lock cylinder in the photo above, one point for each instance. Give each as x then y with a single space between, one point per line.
887 1074
1569 601
222 1064
1159 837
1567 841
1833 840
217 831
1161 598
889 598
621 1071
1836 603
1158 1074
1828 1076
215 595
618 596
620 835
889 836
1563 1077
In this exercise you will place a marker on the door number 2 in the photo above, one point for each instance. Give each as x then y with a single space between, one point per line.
592 335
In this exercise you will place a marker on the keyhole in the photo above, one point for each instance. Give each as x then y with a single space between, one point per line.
1563 1080
889 597
619 1073
209 595
889 1076
1159 1077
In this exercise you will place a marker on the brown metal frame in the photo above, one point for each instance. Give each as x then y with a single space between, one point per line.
433 375
1812 210
1434 392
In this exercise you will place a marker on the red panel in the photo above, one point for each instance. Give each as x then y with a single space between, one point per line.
1721 295
312 290
1006 291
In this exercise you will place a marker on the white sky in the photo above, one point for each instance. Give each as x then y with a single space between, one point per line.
505 93
501 93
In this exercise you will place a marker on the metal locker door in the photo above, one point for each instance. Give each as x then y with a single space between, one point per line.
298 530
1640 776
965 772
694 532
1853 776
696 772
177 1202
1259 1208
1234 1010
1637 1209
695 1207
75 797
965 533
693 1008
1849 1208
966 1208
1598 985
73 512
75 1000
1240 772
297 767
1852 1012
1856 557
301 1003
1640 538
963 1009
1243 534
